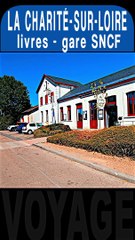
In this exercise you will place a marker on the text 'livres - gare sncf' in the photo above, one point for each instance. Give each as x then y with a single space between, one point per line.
103 28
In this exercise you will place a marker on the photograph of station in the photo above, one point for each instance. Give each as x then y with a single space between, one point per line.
74 104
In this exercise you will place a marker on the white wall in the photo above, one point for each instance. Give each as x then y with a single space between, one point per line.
72 103
24 118
33 117
121 101
59 91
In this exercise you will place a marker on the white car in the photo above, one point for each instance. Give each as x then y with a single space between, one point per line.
31 127
12 127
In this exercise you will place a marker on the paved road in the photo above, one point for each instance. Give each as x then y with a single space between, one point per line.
23 165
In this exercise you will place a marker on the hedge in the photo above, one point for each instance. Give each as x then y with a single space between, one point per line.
118 140
50 130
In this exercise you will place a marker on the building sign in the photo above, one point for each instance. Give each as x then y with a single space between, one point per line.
65 29
101 101
100 114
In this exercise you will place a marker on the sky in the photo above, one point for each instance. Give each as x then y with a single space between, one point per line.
83 67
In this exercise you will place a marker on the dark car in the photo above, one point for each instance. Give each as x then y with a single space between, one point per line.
19 128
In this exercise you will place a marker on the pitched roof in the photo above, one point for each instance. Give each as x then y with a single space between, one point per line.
31 110
107 80
58 81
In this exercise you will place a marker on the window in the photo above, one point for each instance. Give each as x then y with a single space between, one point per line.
42 117
46 99
131 103
32 124
79 114
39 124
45 84
47 118
41 101
61 114
53 116
68 113
111 101
52 97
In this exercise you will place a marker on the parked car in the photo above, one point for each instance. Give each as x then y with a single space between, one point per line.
31 127
19 128
12 127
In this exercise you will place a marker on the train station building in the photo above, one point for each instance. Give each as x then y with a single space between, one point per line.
74 104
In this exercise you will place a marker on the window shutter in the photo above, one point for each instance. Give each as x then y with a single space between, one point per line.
52 97
41 101
46 99
69 113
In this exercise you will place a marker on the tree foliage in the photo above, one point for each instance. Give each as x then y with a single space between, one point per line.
14 98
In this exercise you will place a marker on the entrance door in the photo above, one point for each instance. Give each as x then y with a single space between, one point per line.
111 115
110 111
93 114
79 115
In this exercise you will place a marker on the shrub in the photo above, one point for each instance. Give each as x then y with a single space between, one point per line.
119 141
52 129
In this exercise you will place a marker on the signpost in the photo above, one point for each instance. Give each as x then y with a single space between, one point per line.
100 94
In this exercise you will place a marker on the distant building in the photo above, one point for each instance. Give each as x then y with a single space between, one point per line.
30 115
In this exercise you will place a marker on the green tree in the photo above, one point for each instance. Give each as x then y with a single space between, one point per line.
14 99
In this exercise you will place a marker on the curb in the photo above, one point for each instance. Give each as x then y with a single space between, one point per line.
95 166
